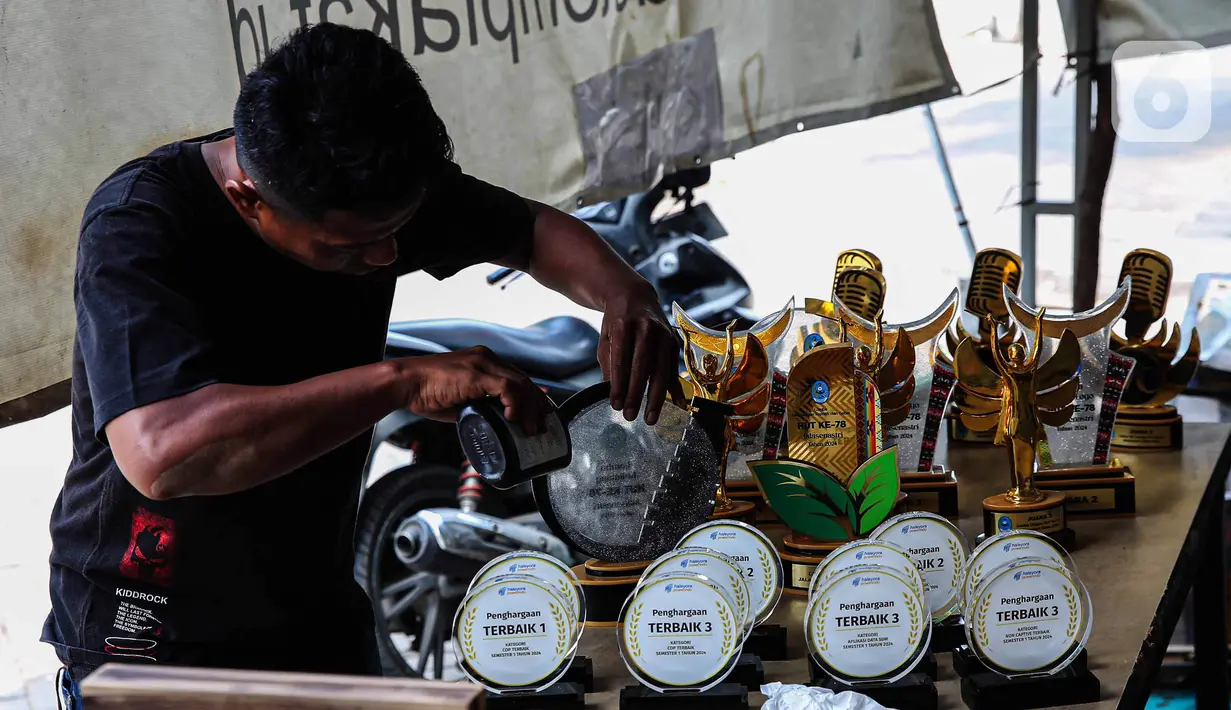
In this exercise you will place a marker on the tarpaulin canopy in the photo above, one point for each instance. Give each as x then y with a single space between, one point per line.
559 100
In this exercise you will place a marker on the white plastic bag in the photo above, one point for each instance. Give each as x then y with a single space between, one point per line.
803 697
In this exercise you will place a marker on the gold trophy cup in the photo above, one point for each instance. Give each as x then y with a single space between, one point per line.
1146 420
1015 400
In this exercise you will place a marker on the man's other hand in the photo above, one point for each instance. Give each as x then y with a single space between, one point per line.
639 353
438 386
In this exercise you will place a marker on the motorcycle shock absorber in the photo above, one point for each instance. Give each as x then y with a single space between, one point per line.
469 489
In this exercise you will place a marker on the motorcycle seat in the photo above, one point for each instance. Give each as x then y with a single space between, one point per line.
556 348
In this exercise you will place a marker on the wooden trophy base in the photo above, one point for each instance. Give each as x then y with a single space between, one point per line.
741 510
1148 428
934 492
800 556
1045 516
1093 491
607 585
747 491
959 434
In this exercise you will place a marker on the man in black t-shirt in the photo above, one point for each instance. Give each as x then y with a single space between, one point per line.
232 295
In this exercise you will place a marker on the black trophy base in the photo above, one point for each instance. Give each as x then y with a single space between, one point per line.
948 634
767 642
581 672
927 666
724 696
748 672
1148 429
965 662
914 692
992 691
561 696
934 492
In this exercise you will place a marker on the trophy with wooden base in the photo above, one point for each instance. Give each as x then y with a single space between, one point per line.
831 481
1146 419
912 406
1017 399
1073 458
748 390
993 270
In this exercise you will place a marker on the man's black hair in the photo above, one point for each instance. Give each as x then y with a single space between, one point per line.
337 119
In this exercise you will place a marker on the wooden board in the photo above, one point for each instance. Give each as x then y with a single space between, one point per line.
146 687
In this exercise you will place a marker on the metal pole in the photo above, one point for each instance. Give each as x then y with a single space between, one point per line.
938 147
1030 146
1086 48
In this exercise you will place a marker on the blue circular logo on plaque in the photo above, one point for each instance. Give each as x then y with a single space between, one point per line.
1004 524
820 391
812 341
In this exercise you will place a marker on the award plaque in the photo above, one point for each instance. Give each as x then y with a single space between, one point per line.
540 565
679 636
939 551
516 634
1147 420
832 480
1006 547
867 629
715 566
993 270
630 491
914 424
1073 458
1029 621
868 552
1018 397
756 554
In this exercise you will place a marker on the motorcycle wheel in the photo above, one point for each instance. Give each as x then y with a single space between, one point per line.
414 610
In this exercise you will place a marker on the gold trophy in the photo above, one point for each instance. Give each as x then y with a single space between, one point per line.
1146 420
913 400
749 392
1016 399
993 269
1075 459
723 381
857 283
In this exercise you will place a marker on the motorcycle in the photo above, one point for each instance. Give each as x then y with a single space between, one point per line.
427 524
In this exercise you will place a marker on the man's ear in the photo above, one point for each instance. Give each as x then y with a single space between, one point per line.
245 197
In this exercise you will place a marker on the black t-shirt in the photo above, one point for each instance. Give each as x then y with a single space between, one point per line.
173 293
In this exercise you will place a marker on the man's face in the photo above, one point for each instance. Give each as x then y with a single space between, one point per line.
343 242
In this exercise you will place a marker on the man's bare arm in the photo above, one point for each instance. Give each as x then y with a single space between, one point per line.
227 438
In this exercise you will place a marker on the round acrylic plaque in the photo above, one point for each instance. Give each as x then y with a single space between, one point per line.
515 633
1006 547
679 631
753 552
1030 616
867 552
536 564
867 624
717 566
631 490
939 551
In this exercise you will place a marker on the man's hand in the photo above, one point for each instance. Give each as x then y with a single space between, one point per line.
638 349
437 386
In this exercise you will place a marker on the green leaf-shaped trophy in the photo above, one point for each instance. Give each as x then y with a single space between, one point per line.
830 481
